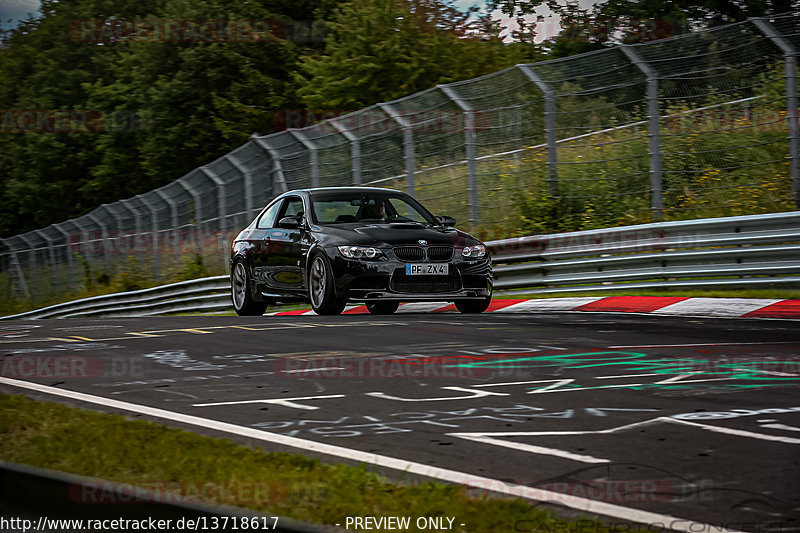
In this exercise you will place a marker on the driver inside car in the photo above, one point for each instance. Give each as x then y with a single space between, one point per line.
374 209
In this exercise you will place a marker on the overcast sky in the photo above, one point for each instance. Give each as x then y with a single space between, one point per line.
11 11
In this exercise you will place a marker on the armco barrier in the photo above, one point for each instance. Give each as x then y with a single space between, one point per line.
204 294
35 494
734 252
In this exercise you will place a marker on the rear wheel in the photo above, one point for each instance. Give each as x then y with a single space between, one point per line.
241 295
473 306
382 308
321 291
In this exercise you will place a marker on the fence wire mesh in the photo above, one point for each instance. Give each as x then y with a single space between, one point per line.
694 126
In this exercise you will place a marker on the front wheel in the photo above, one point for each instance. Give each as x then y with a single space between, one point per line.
242 298
382 308
473 306
321 291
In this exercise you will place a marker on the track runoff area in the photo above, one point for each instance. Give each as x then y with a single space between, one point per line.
655 422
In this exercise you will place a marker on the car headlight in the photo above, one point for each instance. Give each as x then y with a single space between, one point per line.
359 252
474 252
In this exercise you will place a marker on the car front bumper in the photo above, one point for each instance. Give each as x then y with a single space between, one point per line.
385 279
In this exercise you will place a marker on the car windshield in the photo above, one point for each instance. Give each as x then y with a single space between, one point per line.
360 206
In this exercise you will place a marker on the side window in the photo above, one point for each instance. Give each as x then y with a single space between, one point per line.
267 220
292 207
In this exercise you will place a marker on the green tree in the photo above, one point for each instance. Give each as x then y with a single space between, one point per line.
190 102
184 104
43 68
379 50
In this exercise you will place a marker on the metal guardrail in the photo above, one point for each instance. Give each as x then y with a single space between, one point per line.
204 294
745 251
732 252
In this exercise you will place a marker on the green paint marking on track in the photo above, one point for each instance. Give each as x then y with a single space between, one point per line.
758 373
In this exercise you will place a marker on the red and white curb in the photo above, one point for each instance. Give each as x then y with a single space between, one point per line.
656 305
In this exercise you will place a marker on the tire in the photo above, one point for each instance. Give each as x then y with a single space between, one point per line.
241 294
321 291
473 306
382 308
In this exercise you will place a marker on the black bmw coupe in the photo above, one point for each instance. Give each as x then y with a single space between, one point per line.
336 245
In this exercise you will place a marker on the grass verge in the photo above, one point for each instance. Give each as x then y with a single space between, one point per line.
139 452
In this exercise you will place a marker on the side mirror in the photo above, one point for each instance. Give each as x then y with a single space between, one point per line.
446 221
289 222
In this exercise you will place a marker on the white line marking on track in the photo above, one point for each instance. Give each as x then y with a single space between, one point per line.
442 474
531 448
652 421
473 394
523 382
702 344
286 402
304 370
738 432
780 426
627 376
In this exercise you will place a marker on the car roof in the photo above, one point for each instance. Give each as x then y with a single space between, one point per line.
317 190
344 189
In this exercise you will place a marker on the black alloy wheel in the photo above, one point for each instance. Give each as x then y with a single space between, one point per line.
321 290
243 302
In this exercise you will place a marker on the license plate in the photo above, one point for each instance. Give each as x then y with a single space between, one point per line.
414 269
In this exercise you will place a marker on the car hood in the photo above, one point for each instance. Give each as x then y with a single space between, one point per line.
397 234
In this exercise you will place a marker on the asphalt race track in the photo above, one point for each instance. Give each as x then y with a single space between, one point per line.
689 422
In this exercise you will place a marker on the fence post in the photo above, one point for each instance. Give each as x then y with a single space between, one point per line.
6 266
220 185
154 227
20 276
469 146
85 242
355 149
137 222
550 130
51 252
104 237
277 168
653 131
313 156
221 211
118 222
408 145
173 207
32 265
68 254
198 212
249 193
790 68
84 238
